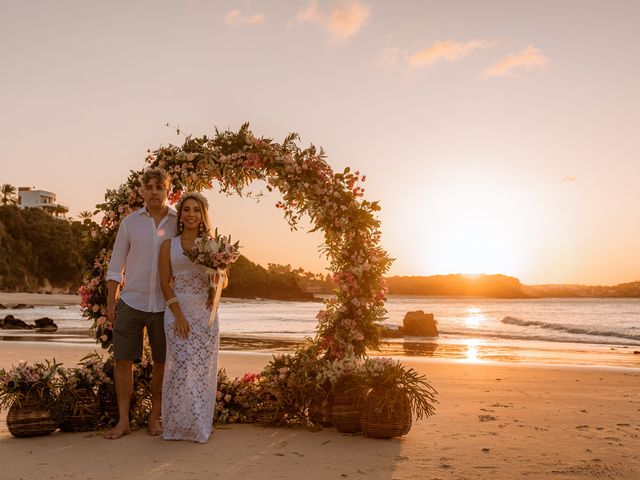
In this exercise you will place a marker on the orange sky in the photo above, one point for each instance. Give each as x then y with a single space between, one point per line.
499 136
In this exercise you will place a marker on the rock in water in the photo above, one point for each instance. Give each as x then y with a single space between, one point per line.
420 324
46 325
21 306
390 331
12 323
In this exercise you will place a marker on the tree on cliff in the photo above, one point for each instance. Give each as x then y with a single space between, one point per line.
9 194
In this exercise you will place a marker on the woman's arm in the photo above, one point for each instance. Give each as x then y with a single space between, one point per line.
181 325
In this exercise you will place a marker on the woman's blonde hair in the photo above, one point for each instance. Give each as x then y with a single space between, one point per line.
203 203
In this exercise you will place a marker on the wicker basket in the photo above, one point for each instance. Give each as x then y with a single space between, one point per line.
139 407
386 414
320 411
30 419
345 412
108 403
84 414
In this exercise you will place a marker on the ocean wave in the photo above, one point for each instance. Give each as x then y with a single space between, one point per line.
569 329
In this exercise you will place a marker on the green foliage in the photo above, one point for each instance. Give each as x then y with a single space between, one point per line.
8 194
389 376
38 250
247 279
288 385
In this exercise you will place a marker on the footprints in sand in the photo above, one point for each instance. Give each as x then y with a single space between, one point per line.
591 469
486 418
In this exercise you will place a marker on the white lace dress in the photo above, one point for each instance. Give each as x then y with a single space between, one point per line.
191 369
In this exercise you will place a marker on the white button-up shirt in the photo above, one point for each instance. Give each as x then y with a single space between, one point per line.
135 258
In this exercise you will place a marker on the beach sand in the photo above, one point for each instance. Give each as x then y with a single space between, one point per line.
494 421
9 299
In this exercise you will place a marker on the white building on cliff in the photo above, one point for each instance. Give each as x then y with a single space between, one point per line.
30 198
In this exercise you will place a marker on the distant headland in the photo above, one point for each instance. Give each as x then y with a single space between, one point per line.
502 286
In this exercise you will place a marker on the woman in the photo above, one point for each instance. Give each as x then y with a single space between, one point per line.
190 379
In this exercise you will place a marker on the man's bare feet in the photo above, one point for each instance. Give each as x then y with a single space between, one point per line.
117 432
154 427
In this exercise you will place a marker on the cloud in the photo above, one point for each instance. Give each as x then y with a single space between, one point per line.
390 56
310 14
447 50
348 18
568 179
343 20
528 58
235 18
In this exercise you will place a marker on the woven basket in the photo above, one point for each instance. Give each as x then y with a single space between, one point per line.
386 414
30 419
140 407
84 414
108 403
345 412
320 411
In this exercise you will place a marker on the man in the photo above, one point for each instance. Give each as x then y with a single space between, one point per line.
141 304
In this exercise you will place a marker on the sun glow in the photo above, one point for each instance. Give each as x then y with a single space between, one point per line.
475 227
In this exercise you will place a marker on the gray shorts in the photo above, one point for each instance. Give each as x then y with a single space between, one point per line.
128 333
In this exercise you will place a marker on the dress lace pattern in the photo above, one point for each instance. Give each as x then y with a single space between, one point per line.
191 369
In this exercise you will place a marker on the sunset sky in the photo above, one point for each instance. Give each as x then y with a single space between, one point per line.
499 136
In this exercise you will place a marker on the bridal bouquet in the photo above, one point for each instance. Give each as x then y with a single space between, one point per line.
216 253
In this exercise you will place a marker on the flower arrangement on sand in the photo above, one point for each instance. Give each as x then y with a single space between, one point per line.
26 382
236 399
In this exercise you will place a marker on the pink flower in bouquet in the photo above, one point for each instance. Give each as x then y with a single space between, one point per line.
250 377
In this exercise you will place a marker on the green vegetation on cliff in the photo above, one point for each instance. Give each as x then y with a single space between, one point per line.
39 252
248 279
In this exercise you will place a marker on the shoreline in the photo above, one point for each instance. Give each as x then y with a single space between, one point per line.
11 299
492 421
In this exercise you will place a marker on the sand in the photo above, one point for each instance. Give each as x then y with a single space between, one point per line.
37 299
494 421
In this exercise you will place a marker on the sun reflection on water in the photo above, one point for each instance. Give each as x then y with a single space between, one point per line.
471 355
474 317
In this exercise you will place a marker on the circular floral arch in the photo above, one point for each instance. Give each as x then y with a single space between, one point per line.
349 324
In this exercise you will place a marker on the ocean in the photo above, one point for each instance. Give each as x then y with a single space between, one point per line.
603 332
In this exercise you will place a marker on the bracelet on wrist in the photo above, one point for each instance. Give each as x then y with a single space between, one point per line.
171 301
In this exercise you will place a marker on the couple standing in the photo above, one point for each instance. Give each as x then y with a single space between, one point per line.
167 293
